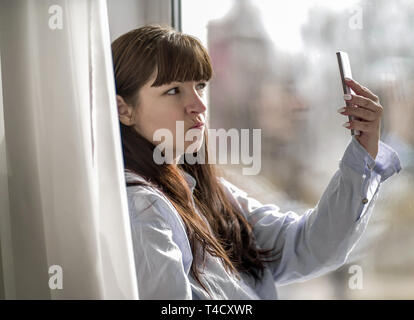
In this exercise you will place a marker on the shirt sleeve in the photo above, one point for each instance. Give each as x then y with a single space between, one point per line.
320 240
158 258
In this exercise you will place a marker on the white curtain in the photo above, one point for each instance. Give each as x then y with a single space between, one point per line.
63 198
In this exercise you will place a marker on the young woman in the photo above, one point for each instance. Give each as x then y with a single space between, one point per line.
197 236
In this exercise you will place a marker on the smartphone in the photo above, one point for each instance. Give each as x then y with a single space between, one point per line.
345 71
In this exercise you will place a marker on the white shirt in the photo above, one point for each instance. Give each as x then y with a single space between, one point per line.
312 244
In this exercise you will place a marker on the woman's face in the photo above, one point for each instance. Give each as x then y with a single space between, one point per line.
164 107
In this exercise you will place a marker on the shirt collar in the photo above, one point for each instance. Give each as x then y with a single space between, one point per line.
131 177
191 181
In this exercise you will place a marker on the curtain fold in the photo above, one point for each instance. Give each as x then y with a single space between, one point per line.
62 184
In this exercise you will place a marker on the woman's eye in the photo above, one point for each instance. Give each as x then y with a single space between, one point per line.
172 91
201 86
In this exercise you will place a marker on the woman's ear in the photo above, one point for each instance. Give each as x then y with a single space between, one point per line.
125 111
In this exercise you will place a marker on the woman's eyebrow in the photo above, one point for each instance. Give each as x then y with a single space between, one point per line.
176 83
173 83
162 86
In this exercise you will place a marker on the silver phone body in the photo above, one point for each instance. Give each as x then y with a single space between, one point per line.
345 71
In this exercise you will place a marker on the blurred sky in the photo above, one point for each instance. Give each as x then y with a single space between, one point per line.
282 19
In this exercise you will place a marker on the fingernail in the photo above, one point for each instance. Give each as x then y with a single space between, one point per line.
348 79
347 97
341 110
346 125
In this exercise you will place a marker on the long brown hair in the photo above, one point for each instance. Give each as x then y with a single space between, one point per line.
180 57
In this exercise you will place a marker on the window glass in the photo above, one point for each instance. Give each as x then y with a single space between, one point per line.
275 69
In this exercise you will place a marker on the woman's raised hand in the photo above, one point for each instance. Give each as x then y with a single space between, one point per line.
365 106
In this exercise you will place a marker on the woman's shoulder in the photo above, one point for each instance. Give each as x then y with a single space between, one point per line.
149 208
147 202
143 188
143 195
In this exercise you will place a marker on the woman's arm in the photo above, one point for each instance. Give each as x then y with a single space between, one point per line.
159 264
320 240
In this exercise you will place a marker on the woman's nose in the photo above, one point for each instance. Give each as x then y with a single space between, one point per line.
196 104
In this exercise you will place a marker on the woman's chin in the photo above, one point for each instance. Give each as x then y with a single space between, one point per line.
194 147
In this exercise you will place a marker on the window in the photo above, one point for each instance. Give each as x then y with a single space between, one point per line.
275 69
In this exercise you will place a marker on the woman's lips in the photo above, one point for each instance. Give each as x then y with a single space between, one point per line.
198 125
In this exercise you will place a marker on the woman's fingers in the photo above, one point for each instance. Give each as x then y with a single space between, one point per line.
361 90
362 126
365 108
363 102
361 113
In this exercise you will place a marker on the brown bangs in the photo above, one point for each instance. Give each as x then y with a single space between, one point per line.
181 58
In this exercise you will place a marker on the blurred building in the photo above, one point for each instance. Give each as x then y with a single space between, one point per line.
253 87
